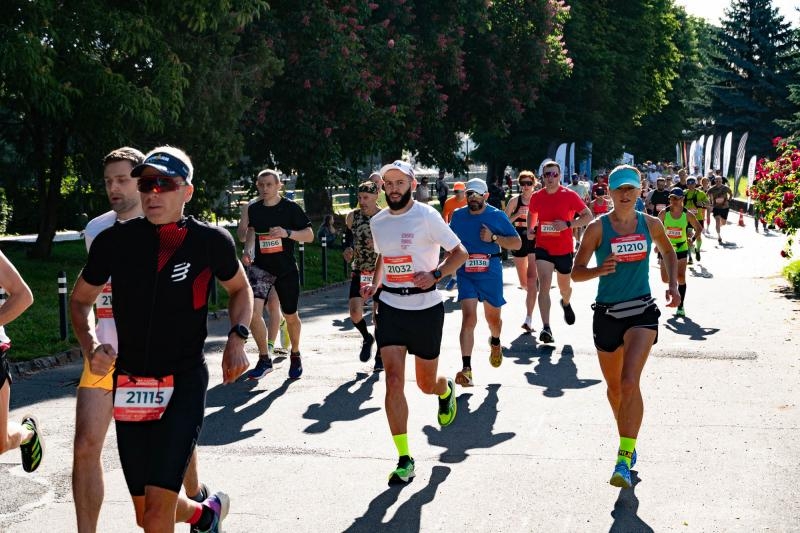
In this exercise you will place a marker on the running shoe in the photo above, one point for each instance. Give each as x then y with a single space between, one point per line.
719 240
286 341
219 502
448 406
527 327
622 476
697 253
633 458
201 496
262 368
689 260
366 348
495 354
404 472
378 364
295 366
569 314
546 335
450 284
464 378
680 311
32 450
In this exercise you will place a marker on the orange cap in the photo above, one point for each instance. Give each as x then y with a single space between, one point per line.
459 186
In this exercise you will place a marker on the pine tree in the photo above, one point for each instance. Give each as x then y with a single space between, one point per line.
754 65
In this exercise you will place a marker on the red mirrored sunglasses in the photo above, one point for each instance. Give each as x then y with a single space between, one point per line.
159 184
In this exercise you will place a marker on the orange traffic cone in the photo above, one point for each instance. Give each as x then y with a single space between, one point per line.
741 217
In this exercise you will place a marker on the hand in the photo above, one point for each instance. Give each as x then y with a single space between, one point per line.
486 233
277 231
673 296
561 225
234 359
102 359
247 259
347 254
609 266
424 280
367 291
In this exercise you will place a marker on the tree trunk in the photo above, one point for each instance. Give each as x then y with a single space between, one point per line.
317 201
50 198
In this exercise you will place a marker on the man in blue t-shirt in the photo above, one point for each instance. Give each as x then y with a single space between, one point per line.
483 229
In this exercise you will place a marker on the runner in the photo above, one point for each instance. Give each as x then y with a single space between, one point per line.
705 184
162 279
599 206
359 250
625 323
407 237
658 199
696 202
676 219
720 195
517 211
483 229
26 436
552 214
275 224
94 405
457 201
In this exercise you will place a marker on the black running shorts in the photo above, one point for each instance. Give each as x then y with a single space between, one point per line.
420 331
527 245
563 263
288 288
5 371
609 332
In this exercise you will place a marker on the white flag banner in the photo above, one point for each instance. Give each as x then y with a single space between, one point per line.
561 158
751 176
726 154
740 156
691 162
707 158
700 147
572 170
678 158
717 153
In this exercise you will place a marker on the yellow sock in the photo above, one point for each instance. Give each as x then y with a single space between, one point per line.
401 441
626 447
446 393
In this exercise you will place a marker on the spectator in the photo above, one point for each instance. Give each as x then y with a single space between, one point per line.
328 230
423 192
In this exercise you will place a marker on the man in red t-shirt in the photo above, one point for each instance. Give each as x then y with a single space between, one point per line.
551 212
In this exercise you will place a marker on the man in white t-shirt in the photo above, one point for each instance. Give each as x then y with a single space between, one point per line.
94 399
410 313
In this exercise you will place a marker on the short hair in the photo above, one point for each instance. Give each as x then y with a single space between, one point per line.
526 174
126 153
179 154
269 172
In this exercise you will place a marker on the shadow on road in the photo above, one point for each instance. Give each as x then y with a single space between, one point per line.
699 271
407 517
524 348
688 327
472 430
559 376
225 426
342 405
625 509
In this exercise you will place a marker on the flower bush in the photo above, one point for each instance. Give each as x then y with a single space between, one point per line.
776 189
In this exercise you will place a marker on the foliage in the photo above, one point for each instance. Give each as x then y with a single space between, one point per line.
776 190
792 273
6 210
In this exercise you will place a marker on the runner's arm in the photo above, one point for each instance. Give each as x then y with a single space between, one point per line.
20 296
244 221
101 356
589 243
249 247
453 259
240 310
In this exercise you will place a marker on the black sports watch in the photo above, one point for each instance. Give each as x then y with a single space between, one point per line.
569 224
437 274
240 330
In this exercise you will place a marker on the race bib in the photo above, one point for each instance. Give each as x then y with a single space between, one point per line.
674 233
269 245
477 263
398 269
548 227
142 399
365 279
660 207
103 302
719 200
629 248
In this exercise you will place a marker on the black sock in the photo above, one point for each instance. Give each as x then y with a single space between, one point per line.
295 354
206 519
361 326
467 361
682 292
495 341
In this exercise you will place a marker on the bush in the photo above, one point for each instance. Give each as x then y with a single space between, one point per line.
792 273
5 211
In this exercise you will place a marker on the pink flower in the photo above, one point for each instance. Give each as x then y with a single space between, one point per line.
776 140
393 109
307 84
778 221
390 44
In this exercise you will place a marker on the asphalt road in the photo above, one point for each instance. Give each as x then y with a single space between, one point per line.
534 442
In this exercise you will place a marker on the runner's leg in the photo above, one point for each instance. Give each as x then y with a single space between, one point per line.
93 412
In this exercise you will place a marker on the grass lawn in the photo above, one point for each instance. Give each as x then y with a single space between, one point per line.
36 332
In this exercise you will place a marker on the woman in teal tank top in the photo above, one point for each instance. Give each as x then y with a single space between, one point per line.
625 323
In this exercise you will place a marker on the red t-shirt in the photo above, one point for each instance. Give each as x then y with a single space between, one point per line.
561 205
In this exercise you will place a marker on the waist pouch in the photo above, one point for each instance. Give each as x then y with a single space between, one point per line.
628 308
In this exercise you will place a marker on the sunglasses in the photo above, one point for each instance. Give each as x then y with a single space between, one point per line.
159 184
550 174
526 183
474 194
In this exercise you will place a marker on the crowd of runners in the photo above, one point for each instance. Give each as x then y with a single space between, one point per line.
144 365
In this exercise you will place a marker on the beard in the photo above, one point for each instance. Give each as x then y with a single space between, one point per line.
401 203
476 206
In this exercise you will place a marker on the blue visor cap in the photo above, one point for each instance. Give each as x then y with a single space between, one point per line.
624 175
167 164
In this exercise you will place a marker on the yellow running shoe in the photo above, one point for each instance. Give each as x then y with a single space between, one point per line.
464 378
496 354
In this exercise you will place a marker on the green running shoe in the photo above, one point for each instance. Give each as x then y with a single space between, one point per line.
33 449
404 472
680 312
448 406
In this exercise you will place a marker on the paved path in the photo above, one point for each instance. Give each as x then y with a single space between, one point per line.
534 442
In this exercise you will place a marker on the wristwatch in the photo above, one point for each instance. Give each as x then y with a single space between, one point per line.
240 330
288 233
569 224
437 274
494 237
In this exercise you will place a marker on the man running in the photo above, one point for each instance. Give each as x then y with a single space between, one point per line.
482 229
720 196
275 224
407 237
162 278
94 405
26 436
552 213
625 323
695 201
676 220
658 199
359 250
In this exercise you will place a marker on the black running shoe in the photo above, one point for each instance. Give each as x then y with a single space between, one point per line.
546 335
378 364
569 314
33 449
404 472
366 348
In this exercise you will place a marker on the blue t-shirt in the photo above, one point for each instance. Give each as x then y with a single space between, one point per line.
468 228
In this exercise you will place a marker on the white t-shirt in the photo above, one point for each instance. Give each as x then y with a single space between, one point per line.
409 243
106 327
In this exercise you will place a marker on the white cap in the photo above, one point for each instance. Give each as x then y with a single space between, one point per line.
402 166
477 185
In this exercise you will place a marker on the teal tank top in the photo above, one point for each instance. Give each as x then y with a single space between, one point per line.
632 277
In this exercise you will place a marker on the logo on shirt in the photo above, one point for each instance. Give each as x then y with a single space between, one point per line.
180 271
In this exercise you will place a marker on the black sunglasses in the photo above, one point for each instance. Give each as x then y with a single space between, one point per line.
551 174
158 184
526 183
